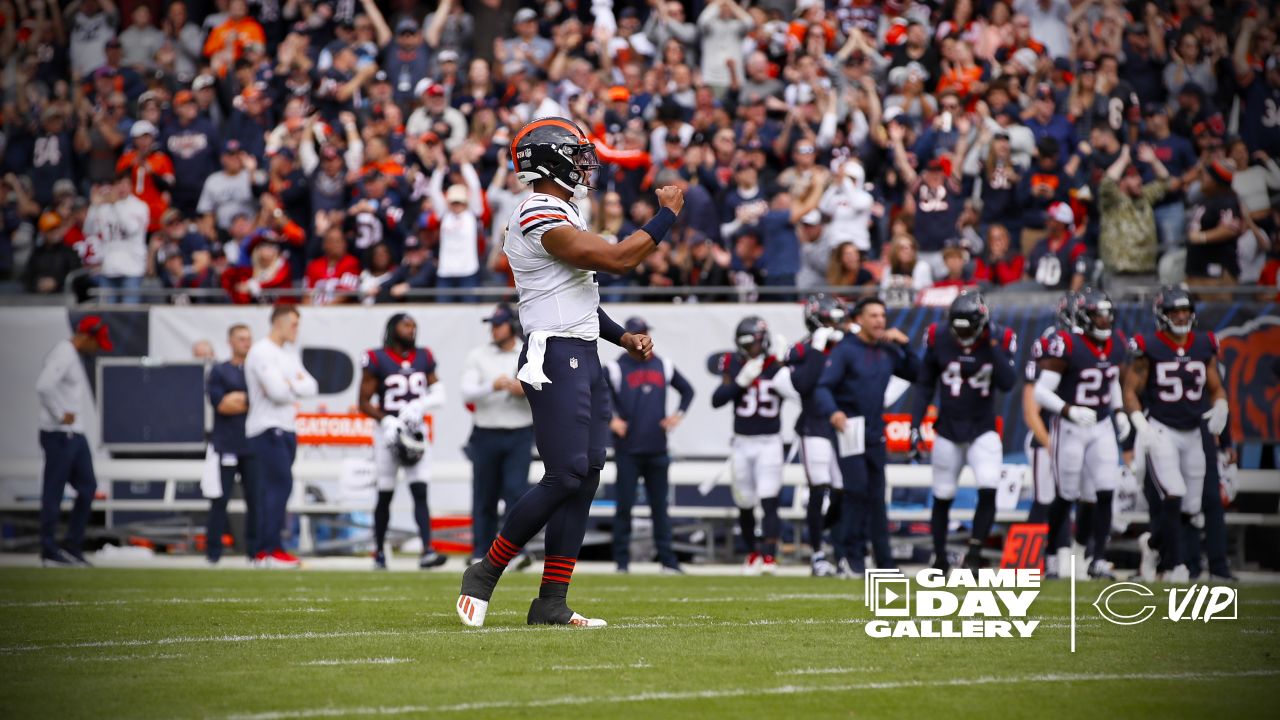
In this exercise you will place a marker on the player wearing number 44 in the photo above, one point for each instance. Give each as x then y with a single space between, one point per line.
1080 384
402 376
962 362
756 382
1174 375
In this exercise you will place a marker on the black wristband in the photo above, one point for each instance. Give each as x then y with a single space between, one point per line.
659 225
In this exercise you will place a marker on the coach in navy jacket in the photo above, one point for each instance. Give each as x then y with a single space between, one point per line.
853 385
640 426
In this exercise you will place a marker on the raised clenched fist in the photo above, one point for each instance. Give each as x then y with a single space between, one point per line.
671 197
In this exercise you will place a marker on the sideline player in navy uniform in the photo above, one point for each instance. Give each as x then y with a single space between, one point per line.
403 378
756 382
1173 376
824 317
853 385
962 365
640 425
554 259
1080 383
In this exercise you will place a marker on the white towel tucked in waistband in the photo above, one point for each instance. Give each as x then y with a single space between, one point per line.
535 353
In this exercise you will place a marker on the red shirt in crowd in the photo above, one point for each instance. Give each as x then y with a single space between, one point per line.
324 278
1005 271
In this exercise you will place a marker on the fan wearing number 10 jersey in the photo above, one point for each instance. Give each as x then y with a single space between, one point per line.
1080 384
965 364
756 382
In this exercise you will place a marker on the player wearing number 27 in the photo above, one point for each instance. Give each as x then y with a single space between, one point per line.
1174 377
756 381
963 363
402 376
1080 384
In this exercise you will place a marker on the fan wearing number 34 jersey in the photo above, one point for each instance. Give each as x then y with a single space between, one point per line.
756 382
1080 384
1174 376
966 364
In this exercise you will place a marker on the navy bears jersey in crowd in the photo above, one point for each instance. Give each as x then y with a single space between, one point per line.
401 378
1091 369
757 409
1175 391
966 379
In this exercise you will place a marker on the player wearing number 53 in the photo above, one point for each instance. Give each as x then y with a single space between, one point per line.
276 379
852 386
402 376
756 381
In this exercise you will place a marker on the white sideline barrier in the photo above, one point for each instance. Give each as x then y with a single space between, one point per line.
19 487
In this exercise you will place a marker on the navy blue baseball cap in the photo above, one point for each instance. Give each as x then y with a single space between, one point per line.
501 314
636 326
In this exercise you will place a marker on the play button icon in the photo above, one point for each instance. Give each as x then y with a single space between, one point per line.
890 596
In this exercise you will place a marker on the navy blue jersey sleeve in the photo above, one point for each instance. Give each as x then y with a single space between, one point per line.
907 364
1003 370
429 366
727 392
806 368
610 330
683 387
832 375
926 382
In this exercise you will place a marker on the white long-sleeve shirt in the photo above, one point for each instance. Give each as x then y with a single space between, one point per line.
121 231
459 251
494 408
276 381
63 388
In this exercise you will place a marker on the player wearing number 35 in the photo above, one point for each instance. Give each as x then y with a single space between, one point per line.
554 260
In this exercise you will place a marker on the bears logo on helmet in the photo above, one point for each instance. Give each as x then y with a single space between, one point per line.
554 148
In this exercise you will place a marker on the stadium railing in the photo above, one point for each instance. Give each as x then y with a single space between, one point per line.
19 492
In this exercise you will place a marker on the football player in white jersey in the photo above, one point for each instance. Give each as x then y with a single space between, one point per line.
554 259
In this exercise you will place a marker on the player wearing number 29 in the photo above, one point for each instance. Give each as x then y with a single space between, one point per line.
554 260
1173 376
755 381
1080 383
965 364
402 376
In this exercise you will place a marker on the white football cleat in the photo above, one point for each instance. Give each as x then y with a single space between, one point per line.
1179 575
471 610
754 564
579 621
1082 563
1150 559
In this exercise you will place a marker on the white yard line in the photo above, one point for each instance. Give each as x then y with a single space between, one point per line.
122 658
641 665
670 696
821 671
363 661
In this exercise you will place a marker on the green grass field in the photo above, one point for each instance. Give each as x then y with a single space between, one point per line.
242 643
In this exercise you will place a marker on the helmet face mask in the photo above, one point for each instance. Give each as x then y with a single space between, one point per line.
411 443
968 318
1175 311
1096 314
822 311
556 149
752 337
1068 312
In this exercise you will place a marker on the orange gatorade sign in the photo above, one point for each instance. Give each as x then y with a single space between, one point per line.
342 429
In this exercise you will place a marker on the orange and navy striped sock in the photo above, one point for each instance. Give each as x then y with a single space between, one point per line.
556 574
501 552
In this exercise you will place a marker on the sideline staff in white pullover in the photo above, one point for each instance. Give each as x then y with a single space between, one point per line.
65 404
276 381
501 445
